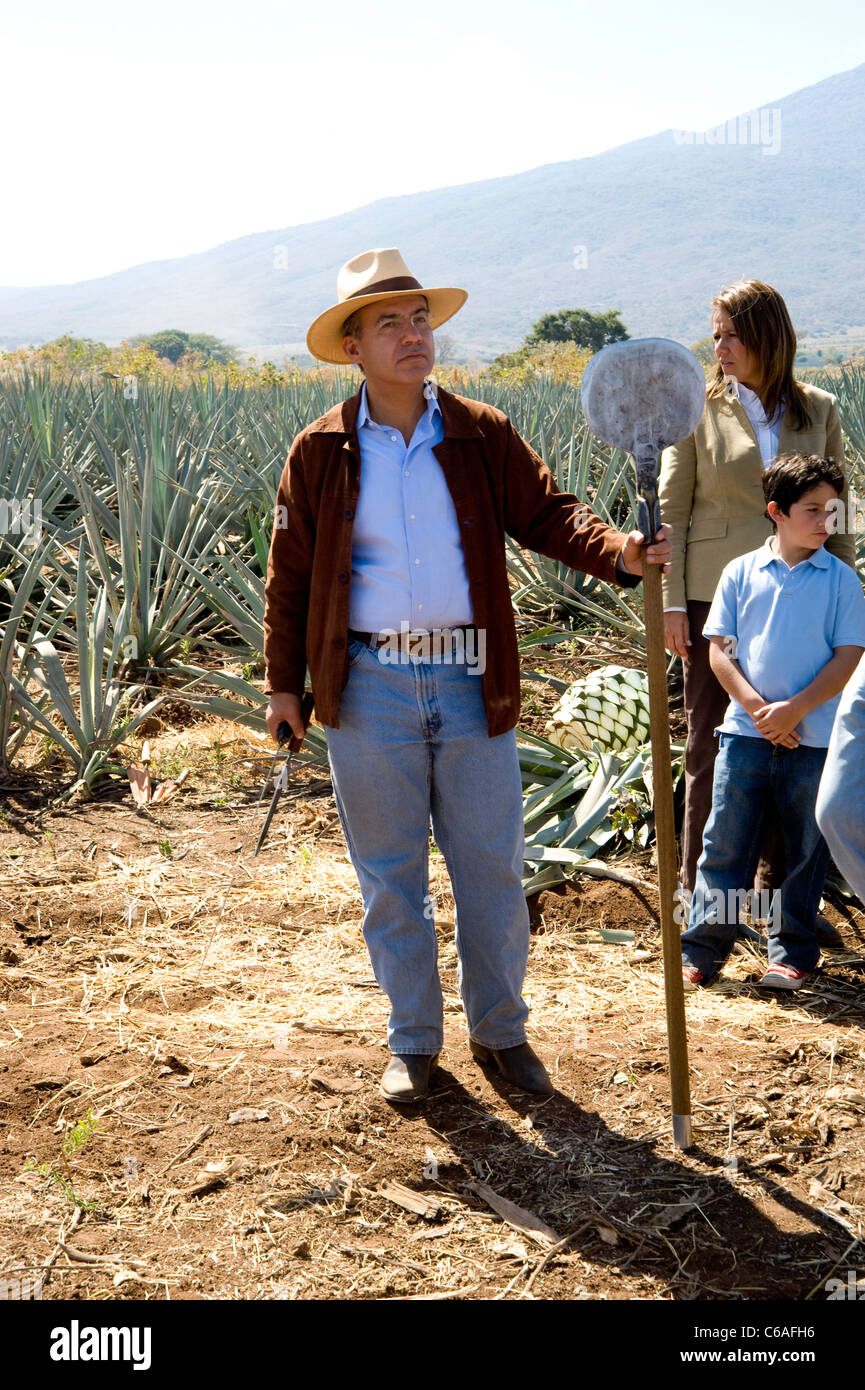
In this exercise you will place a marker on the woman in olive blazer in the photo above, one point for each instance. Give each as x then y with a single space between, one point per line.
711 493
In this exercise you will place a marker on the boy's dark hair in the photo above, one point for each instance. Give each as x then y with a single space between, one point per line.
792 475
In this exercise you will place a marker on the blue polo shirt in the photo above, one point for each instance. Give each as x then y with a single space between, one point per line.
787 622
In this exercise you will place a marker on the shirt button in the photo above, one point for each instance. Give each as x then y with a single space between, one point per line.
408 472
393 439
343 578
411 518
419 607
417 562
348 513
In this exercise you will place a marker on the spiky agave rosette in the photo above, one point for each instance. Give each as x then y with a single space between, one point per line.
608 708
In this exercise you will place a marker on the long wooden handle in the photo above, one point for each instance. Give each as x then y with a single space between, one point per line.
665 836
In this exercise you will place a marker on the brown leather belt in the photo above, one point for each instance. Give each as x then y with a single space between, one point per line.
378 639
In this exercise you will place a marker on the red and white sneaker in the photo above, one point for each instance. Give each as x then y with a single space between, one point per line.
691 978
783 977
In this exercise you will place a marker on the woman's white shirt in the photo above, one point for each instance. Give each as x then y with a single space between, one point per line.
768 431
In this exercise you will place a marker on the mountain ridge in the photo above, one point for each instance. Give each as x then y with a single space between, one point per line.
714 212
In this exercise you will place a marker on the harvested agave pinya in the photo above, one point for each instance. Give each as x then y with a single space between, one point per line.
609 707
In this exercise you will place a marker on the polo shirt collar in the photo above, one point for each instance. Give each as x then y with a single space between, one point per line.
818 558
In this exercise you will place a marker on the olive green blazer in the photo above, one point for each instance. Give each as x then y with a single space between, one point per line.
711 491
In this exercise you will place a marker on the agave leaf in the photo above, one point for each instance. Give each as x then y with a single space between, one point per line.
86 654
16 645
555 855
260 540
563 787
233 590
39 719
544 878
543 678
48 670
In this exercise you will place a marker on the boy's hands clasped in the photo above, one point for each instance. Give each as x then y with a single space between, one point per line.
777 722
774 720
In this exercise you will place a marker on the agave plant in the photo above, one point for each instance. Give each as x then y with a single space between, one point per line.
233 587
173 488
575 804
32 489
22 624
142 529
545 587
100 711
848 386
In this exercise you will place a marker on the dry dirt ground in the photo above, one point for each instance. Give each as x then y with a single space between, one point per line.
191 1041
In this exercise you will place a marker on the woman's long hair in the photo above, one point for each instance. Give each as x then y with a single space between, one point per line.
762 323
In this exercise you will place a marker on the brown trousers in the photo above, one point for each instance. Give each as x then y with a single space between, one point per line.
705 702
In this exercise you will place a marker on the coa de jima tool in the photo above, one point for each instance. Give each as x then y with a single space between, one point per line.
642 396
280 782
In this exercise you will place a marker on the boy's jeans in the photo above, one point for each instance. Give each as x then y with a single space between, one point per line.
753 780
412 743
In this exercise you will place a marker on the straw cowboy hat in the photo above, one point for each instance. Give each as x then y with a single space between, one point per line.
371 276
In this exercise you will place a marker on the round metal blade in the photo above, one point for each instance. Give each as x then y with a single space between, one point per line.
644 391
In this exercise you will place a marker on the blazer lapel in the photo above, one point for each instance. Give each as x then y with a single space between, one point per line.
740 467
738 414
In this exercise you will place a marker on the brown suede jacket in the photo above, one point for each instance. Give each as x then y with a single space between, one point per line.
498 485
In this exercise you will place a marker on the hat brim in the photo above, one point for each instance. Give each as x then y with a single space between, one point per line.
325 336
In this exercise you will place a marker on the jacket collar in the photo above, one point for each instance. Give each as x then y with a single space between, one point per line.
732 406
458 420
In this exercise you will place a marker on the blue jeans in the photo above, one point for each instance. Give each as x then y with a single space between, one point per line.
412 744
754 779
841 799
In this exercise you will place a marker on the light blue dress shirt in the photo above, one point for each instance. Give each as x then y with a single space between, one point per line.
787 622
407 563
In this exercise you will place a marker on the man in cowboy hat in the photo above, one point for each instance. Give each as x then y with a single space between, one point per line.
387 577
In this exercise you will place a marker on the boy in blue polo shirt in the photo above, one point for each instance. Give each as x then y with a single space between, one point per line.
787 629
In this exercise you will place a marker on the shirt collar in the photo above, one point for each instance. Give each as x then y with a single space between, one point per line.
461 419
748 397
432 407
751 403
818 557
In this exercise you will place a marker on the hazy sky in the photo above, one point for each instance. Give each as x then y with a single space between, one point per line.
137 133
